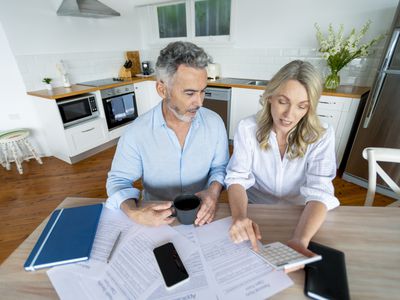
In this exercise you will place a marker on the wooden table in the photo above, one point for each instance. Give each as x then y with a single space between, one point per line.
369 237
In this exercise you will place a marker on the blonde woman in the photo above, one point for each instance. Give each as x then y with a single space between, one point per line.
284 155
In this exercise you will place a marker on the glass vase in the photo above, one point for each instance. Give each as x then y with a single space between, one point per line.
333 80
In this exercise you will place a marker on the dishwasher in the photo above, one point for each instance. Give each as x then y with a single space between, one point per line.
219 101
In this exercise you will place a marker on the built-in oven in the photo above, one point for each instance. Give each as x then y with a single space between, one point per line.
219 101
74 110
119 105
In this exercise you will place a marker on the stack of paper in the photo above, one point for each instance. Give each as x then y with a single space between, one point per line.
218 268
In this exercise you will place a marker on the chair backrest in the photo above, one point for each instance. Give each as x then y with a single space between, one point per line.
375 155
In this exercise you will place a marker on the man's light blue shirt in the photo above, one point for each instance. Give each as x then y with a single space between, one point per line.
150 150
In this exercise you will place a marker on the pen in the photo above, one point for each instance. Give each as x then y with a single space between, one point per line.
114 246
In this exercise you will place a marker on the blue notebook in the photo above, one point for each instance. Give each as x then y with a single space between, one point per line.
68 237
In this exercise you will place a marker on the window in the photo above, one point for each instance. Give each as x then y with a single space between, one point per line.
212 17
193 19
172 20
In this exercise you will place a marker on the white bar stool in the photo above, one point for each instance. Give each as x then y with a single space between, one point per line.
15 147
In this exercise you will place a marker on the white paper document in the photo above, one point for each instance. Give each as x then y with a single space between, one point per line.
198 286
218 268
236 271
132 272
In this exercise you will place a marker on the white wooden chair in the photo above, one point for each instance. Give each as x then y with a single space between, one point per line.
375 155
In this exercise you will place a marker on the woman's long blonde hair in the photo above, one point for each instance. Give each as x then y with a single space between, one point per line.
309 128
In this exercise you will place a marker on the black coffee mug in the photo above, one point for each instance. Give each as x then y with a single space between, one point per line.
185 208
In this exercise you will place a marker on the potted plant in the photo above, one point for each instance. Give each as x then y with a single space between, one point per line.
338 50
47 81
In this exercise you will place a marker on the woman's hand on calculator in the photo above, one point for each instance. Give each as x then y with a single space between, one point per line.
299 247
244 229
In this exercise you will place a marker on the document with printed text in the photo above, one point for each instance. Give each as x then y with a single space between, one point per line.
218 268
237 272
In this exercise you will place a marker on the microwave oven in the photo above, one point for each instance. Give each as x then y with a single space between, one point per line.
75 110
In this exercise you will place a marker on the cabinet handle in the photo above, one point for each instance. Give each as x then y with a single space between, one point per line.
87 130
327 102
325 116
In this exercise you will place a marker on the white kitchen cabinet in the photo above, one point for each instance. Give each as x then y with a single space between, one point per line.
244 103
146 96
84 139
76 142
85 136
339 112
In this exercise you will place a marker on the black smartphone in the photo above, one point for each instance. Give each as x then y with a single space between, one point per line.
327 278
171 266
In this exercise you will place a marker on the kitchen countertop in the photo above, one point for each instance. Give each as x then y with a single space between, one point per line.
347 91
77 89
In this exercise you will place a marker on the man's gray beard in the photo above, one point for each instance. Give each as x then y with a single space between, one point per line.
180 117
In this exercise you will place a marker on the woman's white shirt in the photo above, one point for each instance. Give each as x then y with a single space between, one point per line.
272 180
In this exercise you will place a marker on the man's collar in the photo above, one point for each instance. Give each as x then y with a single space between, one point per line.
159 120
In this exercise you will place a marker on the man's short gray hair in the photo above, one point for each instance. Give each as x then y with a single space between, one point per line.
176 54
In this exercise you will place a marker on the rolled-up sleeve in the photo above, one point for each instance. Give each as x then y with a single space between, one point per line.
239 166
320 171
221 157
125 169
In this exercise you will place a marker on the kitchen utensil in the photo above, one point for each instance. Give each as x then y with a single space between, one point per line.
128 64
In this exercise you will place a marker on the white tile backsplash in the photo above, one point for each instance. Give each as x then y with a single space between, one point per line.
83 66
235 62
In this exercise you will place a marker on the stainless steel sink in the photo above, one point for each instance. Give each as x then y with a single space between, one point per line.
258 82
228 80
243 81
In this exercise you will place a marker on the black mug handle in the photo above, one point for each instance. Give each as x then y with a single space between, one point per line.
173 215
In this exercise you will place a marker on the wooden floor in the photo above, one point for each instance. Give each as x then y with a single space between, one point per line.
25 200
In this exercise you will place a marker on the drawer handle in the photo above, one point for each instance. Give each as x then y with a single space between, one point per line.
327 102
325 116
87 130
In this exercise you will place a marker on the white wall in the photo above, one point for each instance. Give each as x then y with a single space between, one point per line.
290 23
91 48
33 27
34 39
16 108
268 34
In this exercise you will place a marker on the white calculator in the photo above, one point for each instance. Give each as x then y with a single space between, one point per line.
281 256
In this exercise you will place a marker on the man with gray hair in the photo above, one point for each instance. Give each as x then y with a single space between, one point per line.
177 147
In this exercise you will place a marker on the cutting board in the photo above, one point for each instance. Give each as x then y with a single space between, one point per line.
134 57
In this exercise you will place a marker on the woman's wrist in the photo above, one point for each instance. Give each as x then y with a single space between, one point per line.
300 241
238 217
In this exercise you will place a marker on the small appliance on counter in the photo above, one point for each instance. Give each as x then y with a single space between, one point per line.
146 70
213 71
77 109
